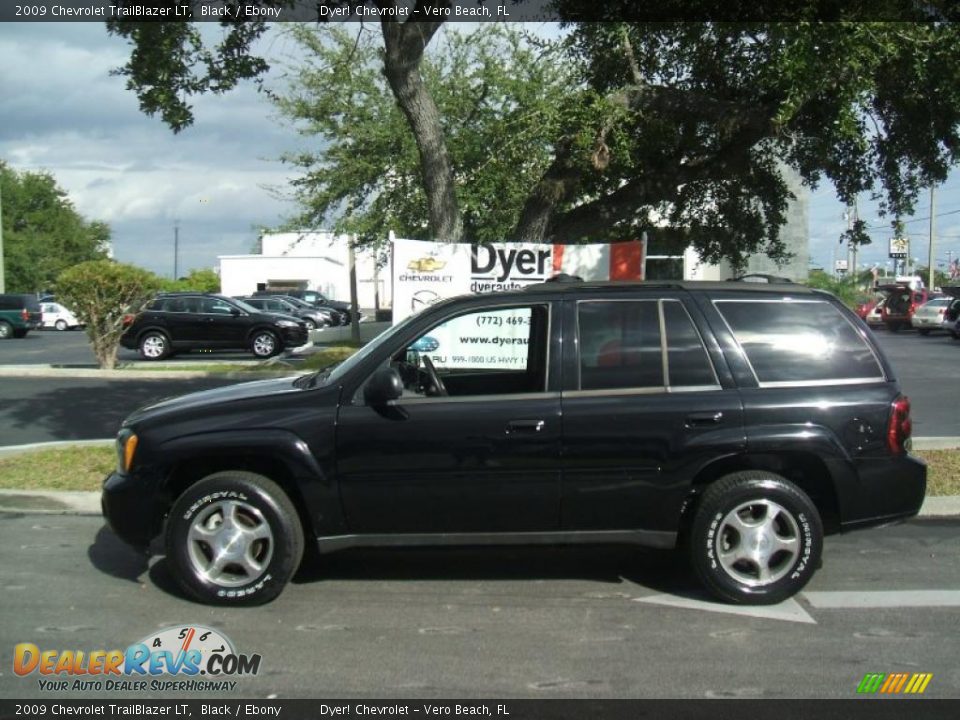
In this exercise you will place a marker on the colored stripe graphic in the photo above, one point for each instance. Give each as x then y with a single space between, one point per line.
895 683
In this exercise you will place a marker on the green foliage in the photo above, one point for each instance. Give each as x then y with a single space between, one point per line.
850 291
42 232
591 137
100 293
202 280
501 102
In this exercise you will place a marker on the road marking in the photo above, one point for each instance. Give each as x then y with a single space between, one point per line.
788 610
839 600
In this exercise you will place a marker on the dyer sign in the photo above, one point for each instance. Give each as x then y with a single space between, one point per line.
425 272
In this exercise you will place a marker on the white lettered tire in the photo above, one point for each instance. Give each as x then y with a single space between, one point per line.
234 538
756 538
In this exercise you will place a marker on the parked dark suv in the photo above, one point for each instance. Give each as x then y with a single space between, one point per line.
175 322
19 314
312 317
316 299
739 421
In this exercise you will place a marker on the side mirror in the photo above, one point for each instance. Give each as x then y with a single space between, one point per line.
235 311
385 385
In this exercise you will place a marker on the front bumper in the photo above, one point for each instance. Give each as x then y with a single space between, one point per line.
294 337
132 508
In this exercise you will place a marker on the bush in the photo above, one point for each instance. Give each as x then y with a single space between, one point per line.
100 293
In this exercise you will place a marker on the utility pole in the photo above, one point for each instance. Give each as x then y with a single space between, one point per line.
933 205
176 247
3 283
354 304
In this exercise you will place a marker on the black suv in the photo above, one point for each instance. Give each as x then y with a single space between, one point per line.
175 322
19 314
738 421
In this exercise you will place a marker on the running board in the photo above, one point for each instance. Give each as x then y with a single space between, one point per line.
647 538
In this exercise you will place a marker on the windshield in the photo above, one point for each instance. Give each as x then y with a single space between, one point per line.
367 350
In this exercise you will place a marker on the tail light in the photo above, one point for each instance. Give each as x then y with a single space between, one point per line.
25 314
900 427
128 319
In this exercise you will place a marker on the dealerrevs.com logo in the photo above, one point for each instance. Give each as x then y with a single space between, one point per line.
197 657
894 683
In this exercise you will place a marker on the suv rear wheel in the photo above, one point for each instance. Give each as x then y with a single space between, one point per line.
234 538
756 538
154 346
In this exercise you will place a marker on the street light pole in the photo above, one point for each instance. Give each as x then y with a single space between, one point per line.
933 206
176 247
3 283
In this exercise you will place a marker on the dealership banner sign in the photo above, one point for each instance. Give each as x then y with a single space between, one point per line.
426 272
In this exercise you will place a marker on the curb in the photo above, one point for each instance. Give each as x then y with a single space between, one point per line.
47 371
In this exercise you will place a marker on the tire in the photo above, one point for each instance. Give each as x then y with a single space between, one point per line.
768 510
264 344
6 330
61 325
220 510
154 345
311 325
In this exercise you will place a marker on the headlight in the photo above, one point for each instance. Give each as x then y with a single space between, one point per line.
126 448
287 323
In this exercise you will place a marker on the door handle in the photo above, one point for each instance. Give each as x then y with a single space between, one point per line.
525 426
703 419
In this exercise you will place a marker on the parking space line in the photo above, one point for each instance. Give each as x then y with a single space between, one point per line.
789 610
854 599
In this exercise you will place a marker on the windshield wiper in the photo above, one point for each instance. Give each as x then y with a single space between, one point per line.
310 380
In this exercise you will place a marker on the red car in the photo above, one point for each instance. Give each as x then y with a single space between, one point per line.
901 303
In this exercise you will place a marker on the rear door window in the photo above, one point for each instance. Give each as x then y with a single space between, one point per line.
789 342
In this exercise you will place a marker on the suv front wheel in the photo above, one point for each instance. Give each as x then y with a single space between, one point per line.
756 538
264 344
234 538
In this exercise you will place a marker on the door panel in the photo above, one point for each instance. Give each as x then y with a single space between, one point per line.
450 466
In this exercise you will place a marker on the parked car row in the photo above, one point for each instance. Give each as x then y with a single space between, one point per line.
899 306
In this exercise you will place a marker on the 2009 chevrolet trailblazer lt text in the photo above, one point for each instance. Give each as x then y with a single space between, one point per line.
738 421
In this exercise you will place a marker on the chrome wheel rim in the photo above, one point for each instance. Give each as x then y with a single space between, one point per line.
4 330
264 345
61 325
758 543
154 347
230 544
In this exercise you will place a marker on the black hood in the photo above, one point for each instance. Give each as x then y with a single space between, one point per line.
217 396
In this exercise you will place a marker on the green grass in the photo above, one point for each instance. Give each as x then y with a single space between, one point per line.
327 356
943 471
64 468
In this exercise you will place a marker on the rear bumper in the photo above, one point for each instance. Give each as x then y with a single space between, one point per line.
890 489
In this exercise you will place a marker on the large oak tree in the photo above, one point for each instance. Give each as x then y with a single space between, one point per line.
685 122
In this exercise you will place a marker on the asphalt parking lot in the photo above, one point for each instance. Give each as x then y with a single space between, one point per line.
925 366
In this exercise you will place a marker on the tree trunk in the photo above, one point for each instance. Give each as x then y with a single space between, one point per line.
404 45
558 185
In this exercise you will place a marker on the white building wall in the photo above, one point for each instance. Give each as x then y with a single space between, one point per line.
317 261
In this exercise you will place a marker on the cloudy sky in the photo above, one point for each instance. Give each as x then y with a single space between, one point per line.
64 113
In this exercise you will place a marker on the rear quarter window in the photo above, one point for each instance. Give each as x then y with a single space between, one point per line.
799 341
